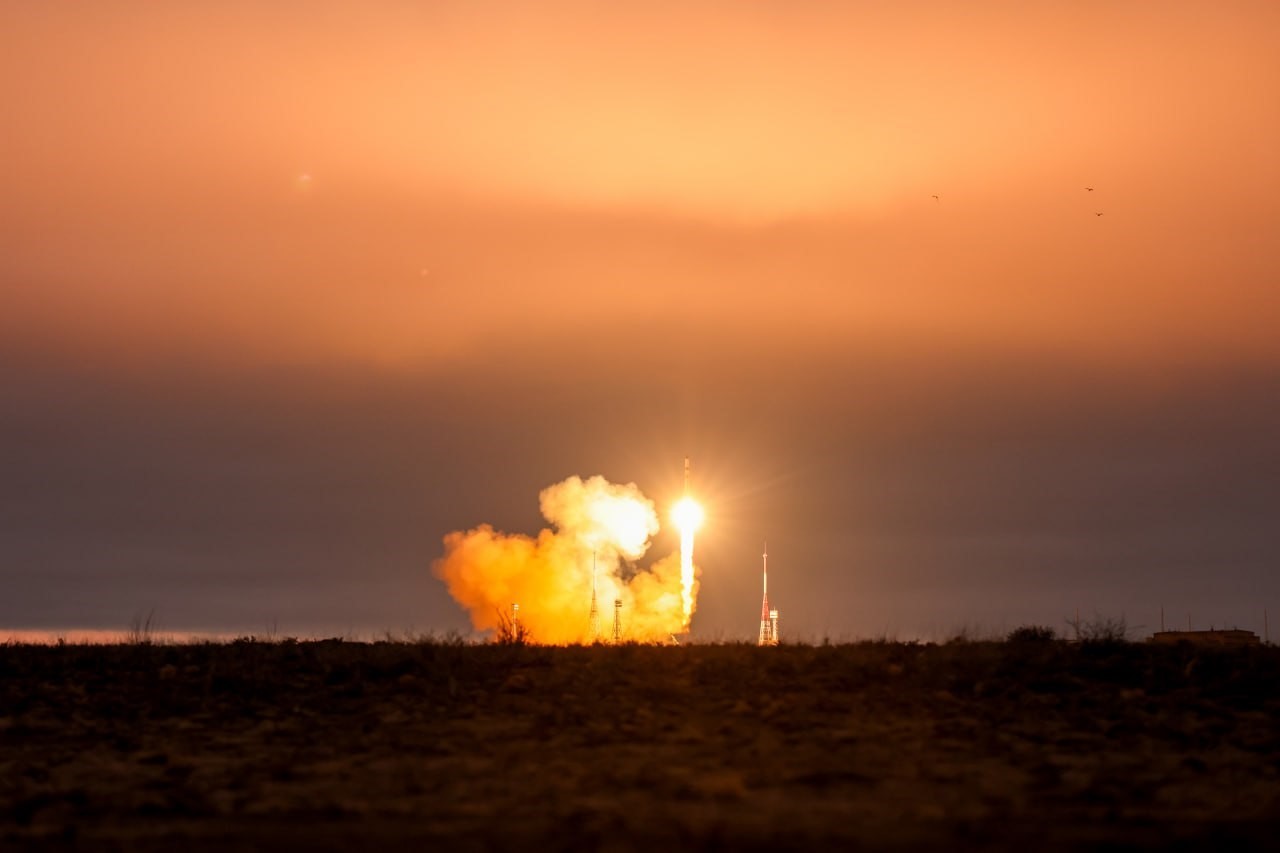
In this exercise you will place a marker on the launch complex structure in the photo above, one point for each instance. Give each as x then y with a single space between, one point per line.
594 634
768 617
593 618
768 635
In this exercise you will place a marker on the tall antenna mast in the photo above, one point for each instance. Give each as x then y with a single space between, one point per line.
768 618
593 620
617 620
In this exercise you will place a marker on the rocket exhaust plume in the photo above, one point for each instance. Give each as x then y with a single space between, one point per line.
687 515
551 574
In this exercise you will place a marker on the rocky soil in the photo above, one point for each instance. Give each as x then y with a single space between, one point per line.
339 746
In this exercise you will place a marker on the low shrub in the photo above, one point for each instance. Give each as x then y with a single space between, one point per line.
1031 634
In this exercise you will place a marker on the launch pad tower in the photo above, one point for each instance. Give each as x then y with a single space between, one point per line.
768 618
593 618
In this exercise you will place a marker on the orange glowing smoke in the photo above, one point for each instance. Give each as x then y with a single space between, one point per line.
550 575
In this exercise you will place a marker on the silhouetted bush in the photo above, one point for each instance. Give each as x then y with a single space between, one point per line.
511 631
1100 631
1031 634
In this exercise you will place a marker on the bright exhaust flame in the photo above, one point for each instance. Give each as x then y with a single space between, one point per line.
549 575
688 516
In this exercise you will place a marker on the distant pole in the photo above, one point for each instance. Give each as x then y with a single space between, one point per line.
1266 629
1161 618
617 620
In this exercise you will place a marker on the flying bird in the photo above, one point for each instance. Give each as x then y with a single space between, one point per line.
1097 214
1090 189
935 198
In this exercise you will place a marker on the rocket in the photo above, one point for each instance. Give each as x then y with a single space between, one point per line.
686 476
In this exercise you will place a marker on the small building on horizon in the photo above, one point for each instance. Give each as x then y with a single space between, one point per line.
1232 637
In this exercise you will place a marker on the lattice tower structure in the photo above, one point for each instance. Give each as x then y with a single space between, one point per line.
593 618
768 619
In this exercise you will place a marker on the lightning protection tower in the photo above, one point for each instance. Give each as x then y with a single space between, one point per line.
768 618
593 620
617 620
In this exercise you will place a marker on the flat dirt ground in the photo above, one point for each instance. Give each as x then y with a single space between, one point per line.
349 746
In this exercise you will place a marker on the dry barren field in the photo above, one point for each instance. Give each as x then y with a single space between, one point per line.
342 746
